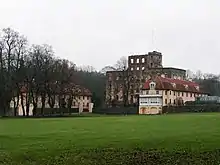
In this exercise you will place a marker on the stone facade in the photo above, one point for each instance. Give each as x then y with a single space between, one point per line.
123 87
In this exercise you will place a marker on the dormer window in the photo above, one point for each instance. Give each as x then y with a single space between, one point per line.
197 88
186 86
174 85
152 85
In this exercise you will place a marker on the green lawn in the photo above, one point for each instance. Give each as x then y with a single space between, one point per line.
166 139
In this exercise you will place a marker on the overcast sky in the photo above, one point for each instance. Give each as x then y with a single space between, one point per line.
98 32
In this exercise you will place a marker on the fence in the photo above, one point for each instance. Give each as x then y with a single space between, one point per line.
117 110
192 108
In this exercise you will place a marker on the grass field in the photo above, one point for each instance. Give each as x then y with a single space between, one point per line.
166 139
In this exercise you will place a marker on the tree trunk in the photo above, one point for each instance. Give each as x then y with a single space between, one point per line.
27 109
51 101
35 102
70 102
28 97
16 104
43 101
22 105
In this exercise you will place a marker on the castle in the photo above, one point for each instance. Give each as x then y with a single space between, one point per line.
123 87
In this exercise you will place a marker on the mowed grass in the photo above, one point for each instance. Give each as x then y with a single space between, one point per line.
165 139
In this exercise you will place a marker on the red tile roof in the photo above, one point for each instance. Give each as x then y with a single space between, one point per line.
164 83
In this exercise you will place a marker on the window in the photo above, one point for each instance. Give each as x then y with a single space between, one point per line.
132 69
143 68
170 101
137 60
191 95
182 94
165 101
170 92
143 60
178 93
165 92
151 64
87 105
186 94
147 92
137 68
152 85
174 93
174 101
132 61
157 92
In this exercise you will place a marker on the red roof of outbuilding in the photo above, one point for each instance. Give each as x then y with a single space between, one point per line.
164 83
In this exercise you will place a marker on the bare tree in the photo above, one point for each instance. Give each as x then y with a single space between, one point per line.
87 68
20 52
122 64
12 48
42 59
199 74
189 74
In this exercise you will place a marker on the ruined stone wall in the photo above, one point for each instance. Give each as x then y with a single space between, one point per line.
114 86
144 62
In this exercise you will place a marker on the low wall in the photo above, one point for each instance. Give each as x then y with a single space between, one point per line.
117 110
191 108
9 112
48 111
